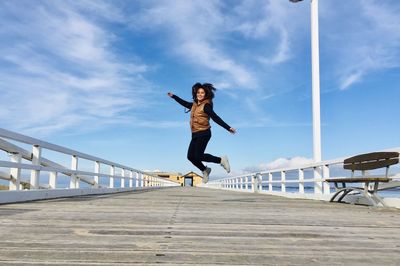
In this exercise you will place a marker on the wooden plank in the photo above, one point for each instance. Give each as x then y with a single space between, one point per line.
370 165
370 161
372 156
196 226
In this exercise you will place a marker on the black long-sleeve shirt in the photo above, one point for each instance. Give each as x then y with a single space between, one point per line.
208 109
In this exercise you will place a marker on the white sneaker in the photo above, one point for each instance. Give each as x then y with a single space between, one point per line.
206 174
225 163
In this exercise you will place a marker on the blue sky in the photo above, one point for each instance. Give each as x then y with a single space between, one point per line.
93 76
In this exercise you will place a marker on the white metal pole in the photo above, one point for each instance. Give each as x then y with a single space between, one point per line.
315 82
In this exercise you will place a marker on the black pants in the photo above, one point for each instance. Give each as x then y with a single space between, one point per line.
196 152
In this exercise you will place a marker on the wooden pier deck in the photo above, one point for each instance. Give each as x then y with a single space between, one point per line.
196 226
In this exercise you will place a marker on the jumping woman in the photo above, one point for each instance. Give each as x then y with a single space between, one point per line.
201 109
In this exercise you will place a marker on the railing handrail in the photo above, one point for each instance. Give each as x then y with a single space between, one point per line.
294 168
136 179
33 141
294 182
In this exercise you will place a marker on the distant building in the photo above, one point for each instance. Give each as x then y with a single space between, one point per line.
174 177
190 179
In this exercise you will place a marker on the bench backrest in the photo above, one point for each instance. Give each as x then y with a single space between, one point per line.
370 161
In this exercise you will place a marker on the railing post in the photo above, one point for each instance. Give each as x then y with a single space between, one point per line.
255 183
325 174
73 183
15 173
122 178
283 181
130 178
260 177
36 158
301 181
270 185
97 176
53 179
317 180
112 173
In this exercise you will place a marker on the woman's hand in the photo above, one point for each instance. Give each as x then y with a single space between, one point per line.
232 130
170 94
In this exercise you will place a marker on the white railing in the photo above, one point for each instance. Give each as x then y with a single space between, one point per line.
305 181
80 181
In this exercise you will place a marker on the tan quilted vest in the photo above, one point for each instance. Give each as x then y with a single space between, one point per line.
199 120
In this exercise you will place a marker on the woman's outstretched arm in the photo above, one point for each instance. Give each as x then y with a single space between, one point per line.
209 110
182 102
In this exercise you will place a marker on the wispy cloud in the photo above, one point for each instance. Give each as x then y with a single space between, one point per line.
272 20
371 44
207 34
61 59
59 71
61 66
193 30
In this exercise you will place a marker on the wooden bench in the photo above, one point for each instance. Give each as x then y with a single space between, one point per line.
363 163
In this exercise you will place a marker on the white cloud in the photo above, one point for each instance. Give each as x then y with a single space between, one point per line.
279 164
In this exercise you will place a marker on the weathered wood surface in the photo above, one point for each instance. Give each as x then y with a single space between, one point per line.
197 226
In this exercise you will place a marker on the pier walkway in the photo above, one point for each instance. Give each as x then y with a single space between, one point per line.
186 226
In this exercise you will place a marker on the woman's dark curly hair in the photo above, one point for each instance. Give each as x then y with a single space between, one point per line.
208 89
